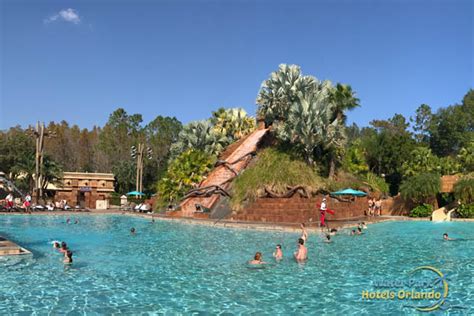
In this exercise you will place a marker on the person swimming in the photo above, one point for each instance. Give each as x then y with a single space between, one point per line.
76 221
64 247
333 232
359 231
132 231
68 257
278 254
446 237
257 259
302 253
68 221
56 244
362 225
328 238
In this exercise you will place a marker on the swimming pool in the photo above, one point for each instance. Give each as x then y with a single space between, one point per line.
170 267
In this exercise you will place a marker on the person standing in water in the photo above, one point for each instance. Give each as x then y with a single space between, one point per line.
302 253
278 254
257 259
68 257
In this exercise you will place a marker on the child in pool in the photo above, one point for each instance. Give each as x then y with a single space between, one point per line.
278 254
257 259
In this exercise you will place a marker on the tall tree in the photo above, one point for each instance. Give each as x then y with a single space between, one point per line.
422 122
387 145
452 127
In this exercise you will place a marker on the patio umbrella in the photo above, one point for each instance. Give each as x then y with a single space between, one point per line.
349 192
135 193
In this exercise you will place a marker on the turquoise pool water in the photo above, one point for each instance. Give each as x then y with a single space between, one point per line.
170 268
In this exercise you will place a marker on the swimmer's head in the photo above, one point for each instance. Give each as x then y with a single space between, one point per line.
63 245
132 230
445 235
278 246
258 256
328 237
359 229
333 230
301 241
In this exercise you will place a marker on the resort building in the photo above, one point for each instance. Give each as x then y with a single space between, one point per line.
91 190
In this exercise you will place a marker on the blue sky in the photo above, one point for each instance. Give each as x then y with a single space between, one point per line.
80 60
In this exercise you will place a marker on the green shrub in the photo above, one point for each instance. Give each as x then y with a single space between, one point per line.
464 190
184 172
421 188
274 169
376 183
466 211
424 210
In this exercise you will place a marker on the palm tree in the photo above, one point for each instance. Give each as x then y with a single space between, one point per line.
344 99
26 168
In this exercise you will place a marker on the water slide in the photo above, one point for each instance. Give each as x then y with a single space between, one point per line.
219 179
9 186
442 215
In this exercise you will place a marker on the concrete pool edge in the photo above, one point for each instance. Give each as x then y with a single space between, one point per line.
260 226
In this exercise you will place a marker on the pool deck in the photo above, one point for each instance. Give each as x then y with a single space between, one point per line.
9 248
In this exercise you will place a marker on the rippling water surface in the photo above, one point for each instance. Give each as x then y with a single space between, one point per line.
175 268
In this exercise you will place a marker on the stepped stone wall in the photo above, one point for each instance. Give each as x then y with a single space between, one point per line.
297 210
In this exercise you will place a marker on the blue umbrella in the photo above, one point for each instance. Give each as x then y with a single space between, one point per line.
135 193
349 192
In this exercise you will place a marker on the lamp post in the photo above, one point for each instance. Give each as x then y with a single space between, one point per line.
39 134
137 152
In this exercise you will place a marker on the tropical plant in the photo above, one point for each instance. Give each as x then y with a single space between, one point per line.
466 158
184 173
448 166
465 211
280 91
464 189
421 188
25 170
277 170
424 210
344 99
420 160
200 135
234 122
310 123
354 159
376 183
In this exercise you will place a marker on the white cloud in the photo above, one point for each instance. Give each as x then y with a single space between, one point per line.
67 15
